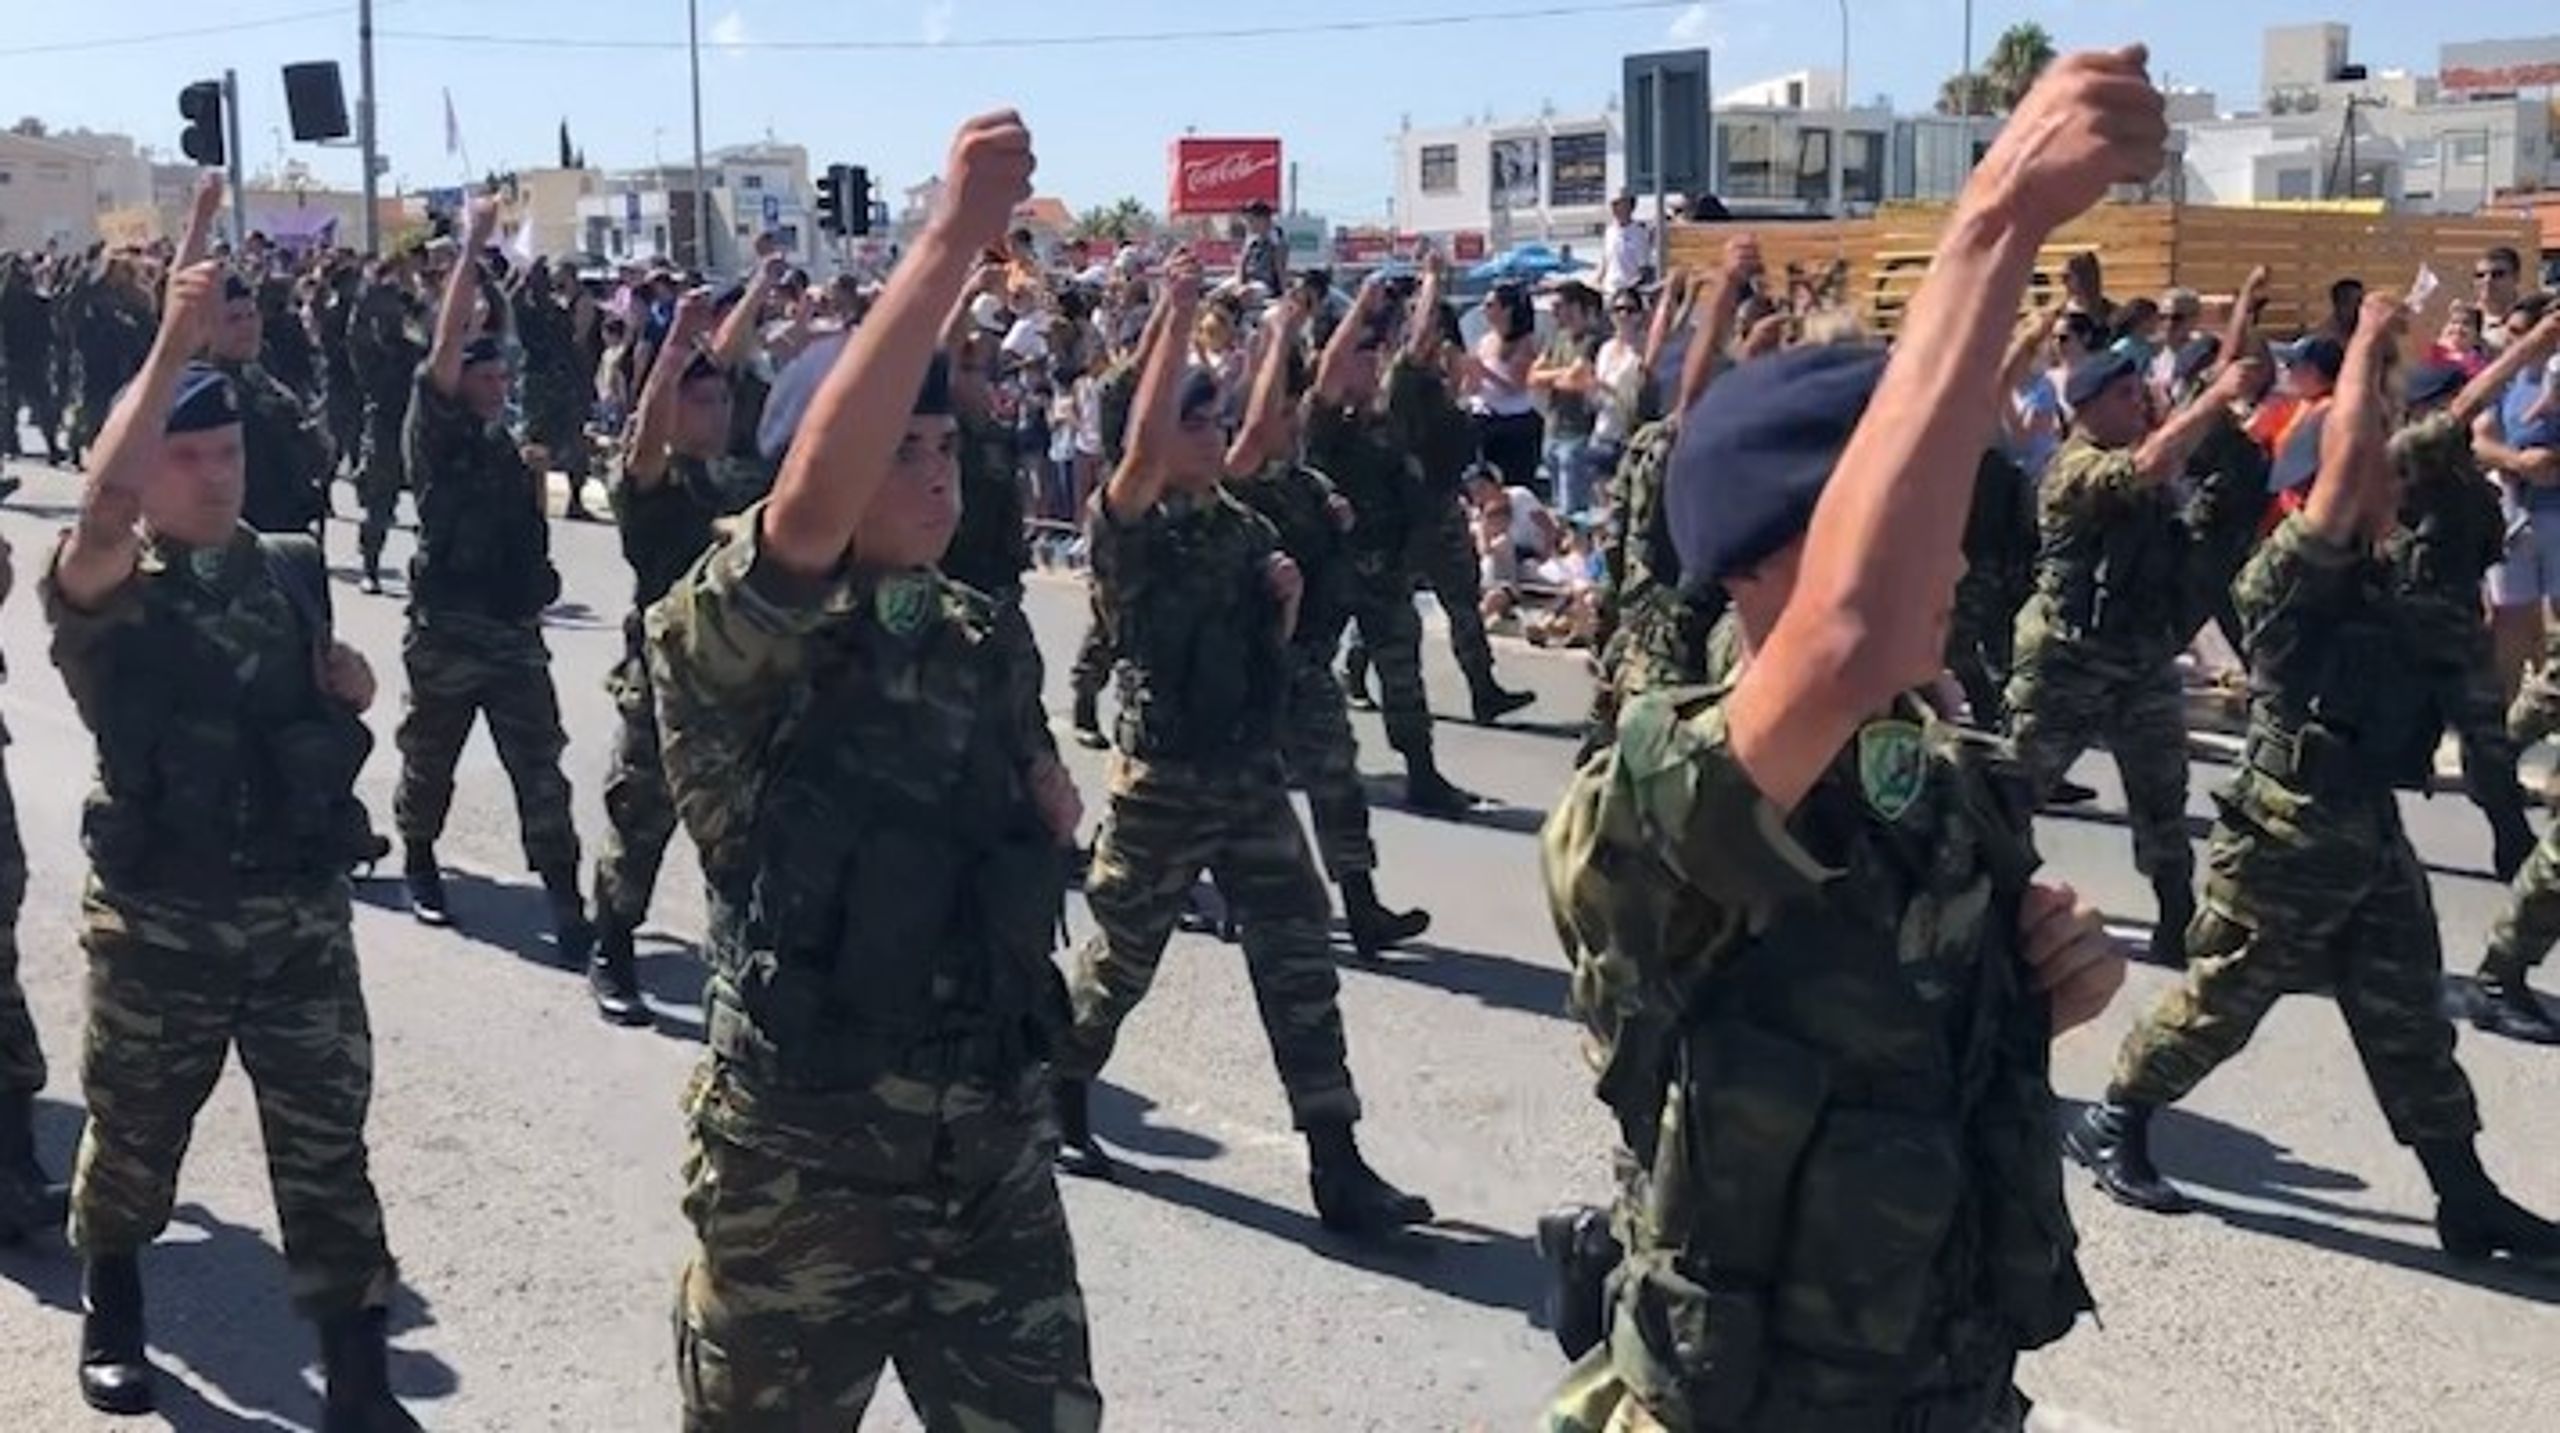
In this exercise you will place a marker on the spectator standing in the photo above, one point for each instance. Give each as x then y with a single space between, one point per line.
1265 259
1567 375
2494 287
1509 432
1617 396
2524 454
1626 248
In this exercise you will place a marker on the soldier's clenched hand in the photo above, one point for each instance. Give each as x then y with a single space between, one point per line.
195 305
2093 120
345 674
989 172
2069 954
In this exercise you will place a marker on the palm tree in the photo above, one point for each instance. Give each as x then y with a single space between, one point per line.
2016 59
1120 221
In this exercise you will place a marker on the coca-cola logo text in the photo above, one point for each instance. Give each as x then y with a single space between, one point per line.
1225 170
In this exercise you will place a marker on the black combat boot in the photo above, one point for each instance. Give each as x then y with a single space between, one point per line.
1428 793
8 485
614 979
2113 1139
572 934
2070 793
355 1368
29 1199
1492 702
1350 1197
2511 839
2474 1221
1373 927
2507 1006
1078 1151
371 583
425 880
1088 722
114 1376
1355 680
2177 911
1579 1251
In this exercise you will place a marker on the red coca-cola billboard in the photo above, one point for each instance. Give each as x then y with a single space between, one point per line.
1222 176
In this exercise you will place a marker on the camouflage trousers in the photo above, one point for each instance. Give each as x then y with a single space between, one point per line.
2310 893
2530 925
22 1070
822 1254
381 474
1095 655
1323 759
1166 823
342 403
1390 637
2060 704
171 994
460 669
29 388
2464 676
1442 554
1981 649
2534 717
1595 1398
640 812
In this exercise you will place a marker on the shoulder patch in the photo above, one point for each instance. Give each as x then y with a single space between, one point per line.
1892 766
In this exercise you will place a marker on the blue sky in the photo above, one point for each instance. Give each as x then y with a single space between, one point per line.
1102 113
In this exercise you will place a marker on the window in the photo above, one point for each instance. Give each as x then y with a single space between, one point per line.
751 182
1813 166
790 236
657 238
1746 147
1862 172
2471 148
2419 153
2293 184
744 230
1439 169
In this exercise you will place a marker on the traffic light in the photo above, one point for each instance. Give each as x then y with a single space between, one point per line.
200 104
835 198
856 199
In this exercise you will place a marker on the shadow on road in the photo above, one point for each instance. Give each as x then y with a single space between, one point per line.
1496 980
1123 1117
1386 793
1485 1267
1518 726
2089 814
2509 1279
515 918
672 976
2197 1151
576 616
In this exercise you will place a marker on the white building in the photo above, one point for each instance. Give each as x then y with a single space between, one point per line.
123 168
48 194
1546 178
754 188
2330 128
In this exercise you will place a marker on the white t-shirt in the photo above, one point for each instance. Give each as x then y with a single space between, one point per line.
1625 251
1089 415
1621 373
1497 396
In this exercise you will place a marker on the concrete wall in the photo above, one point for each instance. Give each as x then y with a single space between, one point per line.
48 194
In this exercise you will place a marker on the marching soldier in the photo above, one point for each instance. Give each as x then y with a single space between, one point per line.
1839 1197
477 588
30 1199
868 1174
2314 882
385 355
217 912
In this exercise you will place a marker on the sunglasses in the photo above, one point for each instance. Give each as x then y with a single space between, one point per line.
2493 273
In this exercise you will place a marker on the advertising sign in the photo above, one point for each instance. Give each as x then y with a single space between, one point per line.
1515 173
1578 168
1221 176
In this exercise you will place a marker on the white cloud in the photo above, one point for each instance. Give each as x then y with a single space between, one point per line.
1694 26
936 22
729 34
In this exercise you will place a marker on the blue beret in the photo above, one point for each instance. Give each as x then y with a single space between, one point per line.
2093 375
205 400
2433 383
236 287
483 349
1755 453
2326 355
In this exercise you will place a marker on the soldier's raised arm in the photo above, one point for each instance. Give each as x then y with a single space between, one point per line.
461 300
197 238
1265 436
653 421
2354 489
1156 410
849 437
100 552
1879 564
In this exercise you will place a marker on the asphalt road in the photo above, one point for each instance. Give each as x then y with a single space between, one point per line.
527 1153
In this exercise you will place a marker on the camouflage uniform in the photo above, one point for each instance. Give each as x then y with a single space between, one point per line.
1197 784
1094 657
386 355
1316 745
477 586
1430 425
2313 884
1358 451
285 451
217 913
1999 572
2096 651
1652 633
22 1069
868 1171
1838 1191
343 393
556 397
284 345
26 342
2451 532
991 549
110 331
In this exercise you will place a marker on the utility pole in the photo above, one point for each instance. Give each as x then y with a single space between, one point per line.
364 123
1964 86
1840 124
701 195
239 193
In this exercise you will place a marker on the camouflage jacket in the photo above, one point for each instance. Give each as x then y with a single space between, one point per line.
2452 530
484 530
286 452
1429 424
990 549
1184 595
1298 503
1828 1069
2110 556
1652 635
1358 450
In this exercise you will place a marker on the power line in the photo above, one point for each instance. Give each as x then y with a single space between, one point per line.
267 22
1059 42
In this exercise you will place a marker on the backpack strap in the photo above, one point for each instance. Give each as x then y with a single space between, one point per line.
294 564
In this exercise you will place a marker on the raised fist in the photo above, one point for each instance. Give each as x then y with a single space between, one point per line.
195 305
481 222
2093 120
989 173
1182 277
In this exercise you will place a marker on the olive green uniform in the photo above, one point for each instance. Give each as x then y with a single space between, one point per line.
868 1170
1358 450
284 447
1652 633
217 915
1839 1193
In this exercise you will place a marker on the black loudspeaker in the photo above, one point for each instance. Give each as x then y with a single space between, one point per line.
318 102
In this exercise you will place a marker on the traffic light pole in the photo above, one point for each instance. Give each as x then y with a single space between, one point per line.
239 194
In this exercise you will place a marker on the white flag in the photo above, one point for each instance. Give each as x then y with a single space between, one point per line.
520 248
2424 286
452 127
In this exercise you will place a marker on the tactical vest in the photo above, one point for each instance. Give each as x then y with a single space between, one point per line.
485 544
988 549
2117 578
2345 706
1845 1184
1293 499
283 466
223 769
1191 616
896 910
